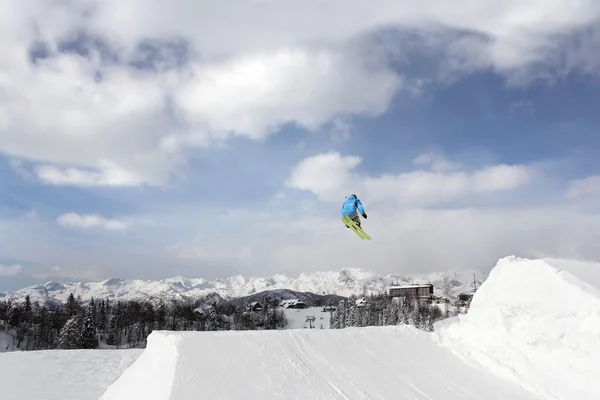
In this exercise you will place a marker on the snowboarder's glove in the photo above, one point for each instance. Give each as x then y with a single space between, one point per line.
365 216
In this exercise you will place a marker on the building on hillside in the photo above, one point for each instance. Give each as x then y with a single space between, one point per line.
439 299
293 303
361 302
414 291
254 306
465 298
202 310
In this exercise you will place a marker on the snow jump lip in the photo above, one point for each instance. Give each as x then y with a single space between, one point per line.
396 362
536 323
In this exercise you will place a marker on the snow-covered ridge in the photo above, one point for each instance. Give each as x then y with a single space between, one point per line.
345 282
537 323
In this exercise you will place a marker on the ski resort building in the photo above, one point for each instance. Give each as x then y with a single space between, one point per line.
254 306
464 299
361 302
418 291
202 310
293 303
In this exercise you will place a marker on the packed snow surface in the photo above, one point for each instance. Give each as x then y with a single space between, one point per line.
61 374
537 323
394 362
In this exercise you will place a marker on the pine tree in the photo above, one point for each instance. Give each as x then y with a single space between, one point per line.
393 319
43 332
102 321
93 305
429 323
88 338
334 320
341 314
417 315
72 306
385 317
149 317
353 317
69 334
112 335
161 316
406 311
28 312
116 324
212 323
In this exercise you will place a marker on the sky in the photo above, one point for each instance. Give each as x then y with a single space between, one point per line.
212 139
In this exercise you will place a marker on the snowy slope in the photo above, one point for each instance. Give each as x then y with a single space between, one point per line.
537 323
7 343
345 282
354 363
61 374
297 318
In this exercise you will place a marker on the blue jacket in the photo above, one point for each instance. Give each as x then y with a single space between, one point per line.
351 205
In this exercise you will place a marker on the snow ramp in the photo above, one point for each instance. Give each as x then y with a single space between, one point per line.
537 323
396 362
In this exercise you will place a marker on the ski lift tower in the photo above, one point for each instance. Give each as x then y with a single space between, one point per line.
310 319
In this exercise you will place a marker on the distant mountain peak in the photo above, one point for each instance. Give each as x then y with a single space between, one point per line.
344 282
112 281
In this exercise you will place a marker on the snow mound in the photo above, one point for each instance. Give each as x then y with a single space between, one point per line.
396 362
536 322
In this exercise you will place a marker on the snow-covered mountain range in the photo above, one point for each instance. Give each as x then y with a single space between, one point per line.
345 282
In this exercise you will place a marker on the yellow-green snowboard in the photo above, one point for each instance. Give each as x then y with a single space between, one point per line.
352 225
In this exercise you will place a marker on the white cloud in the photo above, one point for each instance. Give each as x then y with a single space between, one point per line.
330 176
518 32
327 175
109 176
586 187
95 132
437 162
187 252
87 121
499 177
10 270
214 252
253 95
73 220
85 274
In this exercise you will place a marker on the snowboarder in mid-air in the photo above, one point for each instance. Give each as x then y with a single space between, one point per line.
351 209
350 216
